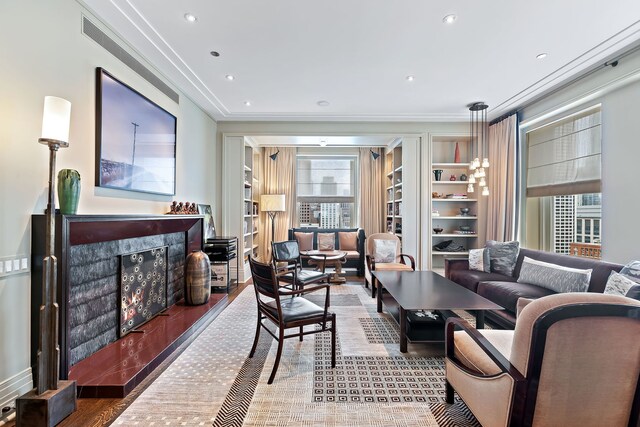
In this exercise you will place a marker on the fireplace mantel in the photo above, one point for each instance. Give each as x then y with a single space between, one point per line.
103 237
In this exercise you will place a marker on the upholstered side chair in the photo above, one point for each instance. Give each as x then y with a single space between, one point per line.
572 360
280 308
398 263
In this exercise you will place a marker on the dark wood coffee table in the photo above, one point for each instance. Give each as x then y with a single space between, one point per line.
425 290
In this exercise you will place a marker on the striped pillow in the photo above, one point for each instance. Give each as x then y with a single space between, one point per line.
554 277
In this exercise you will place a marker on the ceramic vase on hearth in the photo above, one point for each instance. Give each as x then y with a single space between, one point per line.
197 281
68 191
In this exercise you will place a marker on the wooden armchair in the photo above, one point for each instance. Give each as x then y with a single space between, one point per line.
288 265
572 360
399 264
288 313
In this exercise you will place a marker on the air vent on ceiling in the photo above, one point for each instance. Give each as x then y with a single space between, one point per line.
94 33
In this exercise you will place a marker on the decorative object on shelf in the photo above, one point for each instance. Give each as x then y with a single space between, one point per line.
438 174
452 178
186 208
52 400
272 204
435 212
479 137
374 155
448 246
465 228
456 196
437 230
197 282
456 155
463 177
464 211
398 228
436 195
209 226
68 191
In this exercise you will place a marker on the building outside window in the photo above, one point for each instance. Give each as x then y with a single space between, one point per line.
326 191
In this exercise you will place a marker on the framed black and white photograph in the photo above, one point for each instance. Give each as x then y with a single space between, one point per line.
209 226
135 138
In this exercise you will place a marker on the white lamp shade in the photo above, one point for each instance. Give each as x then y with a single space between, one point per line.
485 191
56 118
470 188
272 203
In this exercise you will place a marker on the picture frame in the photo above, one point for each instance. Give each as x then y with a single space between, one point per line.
135 139
209 231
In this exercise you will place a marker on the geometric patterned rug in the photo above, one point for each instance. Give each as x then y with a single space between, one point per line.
213 382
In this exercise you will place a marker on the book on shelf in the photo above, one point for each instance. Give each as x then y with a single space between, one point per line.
456 196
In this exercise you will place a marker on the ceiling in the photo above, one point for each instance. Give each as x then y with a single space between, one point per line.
288 55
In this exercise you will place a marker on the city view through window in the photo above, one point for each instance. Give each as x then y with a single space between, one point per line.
326 191
577 224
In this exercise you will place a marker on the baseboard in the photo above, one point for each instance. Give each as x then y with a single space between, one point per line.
14 387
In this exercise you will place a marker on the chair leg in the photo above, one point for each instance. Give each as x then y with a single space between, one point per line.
333 340
373 287
278 354
366 284
255 340
301 330
448 392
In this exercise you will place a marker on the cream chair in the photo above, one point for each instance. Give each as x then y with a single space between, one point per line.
372 264
572 360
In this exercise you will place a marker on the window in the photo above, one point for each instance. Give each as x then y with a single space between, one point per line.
564 203
326 191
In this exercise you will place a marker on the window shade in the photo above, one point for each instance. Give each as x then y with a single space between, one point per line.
564 157
326 177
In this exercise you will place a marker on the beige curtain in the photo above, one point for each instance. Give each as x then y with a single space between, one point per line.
278 177
502 180
371 193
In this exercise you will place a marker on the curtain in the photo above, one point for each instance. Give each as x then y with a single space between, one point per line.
278 177
501 207
371 191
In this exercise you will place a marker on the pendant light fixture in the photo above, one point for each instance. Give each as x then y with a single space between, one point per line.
479 140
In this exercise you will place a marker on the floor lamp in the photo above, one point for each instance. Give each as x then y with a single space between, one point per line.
272 204
52 400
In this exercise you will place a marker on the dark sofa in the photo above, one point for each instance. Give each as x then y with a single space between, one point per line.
505 291
353 260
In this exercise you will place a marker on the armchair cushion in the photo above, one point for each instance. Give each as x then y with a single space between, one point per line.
507 294
294 309
305 240
392 266
326 241
473 357
303 277
348 240
385 251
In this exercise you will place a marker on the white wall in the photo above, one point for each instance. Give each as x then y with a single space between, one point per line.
618 90
43 52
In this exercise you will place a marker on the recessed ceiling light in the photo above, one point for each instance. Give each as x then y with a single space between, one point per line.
323 103
190 17
247 103
541 56
323 143
229 77
410 78
214 53
449 19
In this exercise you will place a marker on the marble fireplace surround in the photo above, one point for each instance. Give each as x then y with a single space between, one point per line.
88 248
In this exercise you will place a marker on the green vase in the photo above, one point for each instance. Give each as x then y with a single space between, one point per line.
68 191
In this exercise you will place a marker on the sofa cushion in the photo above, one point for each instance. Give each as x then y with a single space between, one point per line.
326 241
479 260
348 240
620 284
503 256
553 276
305 240
470 278
632 271
352 254
506 294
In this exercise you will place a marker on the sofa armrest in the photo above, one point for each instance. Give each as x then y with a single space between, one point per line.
451 264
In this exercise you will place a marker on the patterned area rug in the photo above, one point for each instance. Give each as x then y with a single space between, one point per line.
213 382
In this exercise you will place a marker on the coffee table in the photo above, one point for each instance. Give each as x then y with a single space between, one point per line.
333 259
426 290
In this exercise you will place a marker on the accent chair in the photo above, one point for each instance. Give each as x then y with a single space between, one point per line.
398 263
287 262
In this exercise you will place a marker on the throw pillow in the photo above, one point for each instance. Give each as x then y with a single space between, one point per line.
348 240
632 271
305 240
619 284
503 256
479 260
554 277
384 250
326 241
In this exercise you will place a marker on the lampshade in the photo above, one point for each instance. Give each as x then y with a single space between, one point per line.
55 119
272 203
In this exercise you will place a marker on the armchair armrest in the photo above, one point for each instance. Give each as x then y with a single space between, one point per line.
451 264
498 358
411 259
308 291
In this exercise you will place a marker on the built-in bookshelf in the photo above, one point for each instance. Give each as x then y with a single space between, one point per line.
393 180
